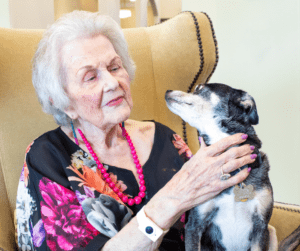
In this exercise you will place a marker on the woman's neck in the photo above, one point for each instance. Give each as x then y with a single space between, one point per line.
101 139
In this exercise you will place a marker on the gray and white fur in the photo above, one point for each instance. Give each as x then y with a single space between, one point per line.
217 111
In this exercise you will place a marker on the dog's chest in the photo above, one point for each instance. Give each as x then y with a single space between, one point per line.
210 126
233 219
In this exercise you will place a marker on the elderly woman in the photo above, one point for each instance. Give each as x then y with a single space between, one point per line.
101 181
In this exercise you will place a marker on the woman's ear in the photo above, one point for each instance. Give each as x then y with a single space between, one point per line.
70 111
51 101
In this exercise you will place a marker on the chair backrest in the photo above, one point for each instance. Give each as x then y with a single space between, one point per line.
166 55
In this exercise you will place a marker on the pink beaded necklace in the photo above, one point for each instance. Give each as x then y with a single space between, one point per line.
138 199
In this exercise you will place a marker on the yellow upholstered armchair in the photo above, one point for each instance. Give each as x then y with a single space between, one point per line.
167 57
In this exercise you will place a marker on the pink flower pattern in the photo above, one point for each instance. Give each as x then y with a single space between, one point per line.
65 222
181 146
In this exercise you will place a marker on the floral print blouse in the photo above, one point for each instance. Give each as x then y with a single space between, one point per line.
64 204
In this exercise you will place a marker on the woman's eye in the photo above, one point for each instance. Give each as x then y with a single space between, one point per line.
115 68
90 77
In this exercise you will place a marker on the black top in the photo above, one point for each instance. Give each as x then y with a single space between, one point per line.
64 204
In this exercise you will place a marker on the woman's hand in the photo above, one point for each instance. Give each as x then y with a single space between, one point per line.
199 178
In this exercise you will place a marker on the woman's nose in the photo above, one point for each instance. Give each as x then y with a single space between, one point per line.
110 82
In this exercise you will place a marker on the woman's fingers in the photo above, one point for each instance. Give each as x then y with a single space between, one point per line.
223 144
217 186
236 153
237 163
236 179
232 181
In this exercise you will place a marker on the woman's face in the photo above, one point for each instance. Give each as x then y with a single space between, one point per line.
97 83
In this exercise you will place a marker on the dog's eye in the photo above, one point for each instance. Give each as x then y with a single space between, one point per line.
198 87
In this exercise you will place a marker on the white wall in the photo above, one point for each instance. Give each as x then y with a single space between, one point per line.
169 8
29 14
4 14
111 8
259 53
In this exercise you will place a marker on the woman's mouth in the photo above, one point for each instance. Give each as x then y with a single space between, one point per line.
115 102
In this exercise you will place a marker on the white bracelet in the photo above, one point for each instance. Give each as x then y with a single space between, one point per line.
148 227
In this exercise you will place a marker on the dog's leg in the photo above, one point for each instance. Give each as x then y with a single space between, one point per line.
198 222
260 235
193 231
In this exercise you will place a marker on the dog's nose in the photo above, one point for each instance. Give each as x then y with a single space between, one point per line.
166 94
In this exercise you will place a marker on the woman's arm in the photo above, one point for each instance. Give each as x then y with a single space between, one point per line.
131 238
197 182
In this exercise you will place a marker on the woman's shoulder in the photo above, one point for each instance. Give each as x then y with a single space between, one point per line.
46 138
48 156
52 144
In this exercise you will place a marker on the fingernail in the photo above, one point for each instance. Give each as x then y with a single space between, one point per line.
200 140
244 136
249 169
253 156
252 147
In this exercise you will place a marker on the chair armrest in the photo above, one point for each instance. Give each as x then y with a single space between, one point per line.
7 230
285 219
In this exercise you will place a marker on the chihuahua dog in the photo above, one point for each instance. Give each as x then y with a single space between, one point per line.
236 219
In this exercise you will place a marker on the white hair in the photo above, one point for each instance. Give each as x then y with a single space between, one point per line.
48 74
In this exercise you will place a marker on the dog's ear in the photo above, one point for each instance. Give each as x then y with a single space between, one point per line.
249 107
247 110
